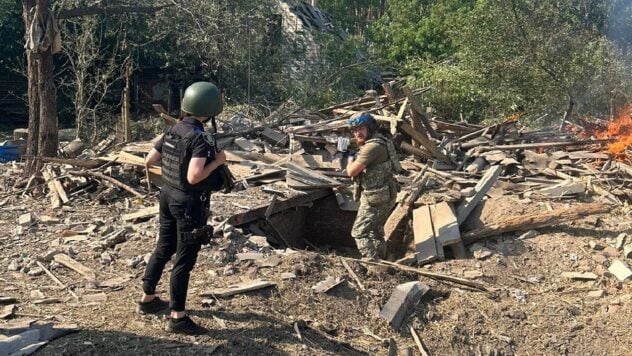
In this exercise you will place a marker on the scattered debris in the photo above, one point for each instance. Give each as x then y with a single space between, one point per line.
587 276
244 287
328 284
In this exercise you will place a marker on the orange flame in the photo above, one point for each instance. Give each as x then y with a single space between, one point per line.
621 130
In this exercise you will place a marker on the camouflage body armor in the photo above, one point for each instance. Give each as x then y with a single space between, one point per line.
376 190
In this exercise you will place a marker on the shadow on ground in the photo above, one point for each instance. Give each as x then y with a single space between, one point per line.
268 336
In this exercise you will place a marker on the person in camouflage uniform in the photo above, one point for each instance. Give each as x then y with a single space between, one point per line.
374 186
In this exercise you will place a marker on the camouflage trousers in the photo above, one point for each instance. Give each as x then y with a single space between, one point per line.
368 228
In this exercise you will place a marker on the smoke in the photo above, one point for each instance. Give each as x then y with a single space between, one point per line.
620 27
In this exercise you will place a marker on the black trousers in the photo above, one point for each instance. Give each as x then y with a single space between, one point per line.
180 212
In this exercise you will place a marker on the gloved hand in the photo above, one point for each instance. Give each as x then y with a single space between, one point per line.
349 155
343 143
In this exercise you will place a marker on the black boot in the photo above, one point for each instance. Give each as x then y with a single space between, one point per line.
157 305
184 325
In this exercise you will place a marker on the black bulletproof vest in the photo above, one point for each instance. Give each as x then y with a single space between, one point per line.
176 155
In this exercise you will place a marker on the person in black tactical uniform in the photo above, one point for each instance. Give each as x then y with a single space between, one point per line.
188 163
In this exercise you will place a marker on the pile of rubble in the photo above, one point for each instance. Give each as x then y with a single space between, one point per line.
450 171
290 182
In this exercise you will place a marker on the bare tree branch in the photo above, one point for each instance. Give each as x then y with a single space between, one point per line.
113 10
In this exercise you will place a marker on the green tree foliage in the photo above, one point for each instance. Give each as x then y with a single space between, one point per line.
541 56
489 58
484 59
11 32
419 29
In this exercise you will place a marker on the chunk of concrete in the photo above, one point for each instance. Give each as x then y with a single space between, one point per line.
596 294
26 219
620 270
404 297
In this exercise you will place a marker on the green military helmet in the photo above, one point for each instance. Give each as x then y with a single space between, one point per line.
202 99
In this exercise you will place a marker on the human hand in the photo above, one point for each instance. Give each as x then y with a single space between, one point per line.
220 158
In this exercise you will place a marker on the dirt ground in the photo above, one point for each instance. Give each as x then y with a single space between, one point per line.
533 311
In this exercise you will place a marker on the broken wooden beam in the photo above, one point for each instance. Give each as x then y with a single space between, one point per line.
419 112
106 178
420 344
78 267
243 287
534 221
545 145
83 163
142 213
422 153
424 141
281 205
352 274
482 187
403 208
437 276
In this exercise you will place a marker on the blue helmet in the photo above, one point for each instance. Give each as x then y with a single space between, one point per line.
363 119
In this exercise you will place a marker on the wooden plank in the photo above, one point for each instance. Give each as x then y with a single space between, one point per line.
84 163
380 118
243 287
274 137
426 250
311 161
327 284
417 108
546 145
55 201
419 152
124 157
353 274
401 211
240 156
60 189
424 141
482 187
418 341
259 212
142 213
107 178
308 177
444 222
246 145
67 261
433 275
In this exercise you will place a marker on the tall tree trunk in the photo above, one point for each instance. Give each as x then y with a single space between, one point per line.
48 135
33 100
